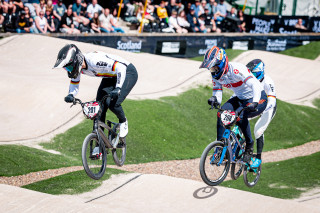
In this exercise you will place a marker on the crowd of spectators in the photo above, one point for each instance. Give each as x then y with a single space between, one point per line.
79 16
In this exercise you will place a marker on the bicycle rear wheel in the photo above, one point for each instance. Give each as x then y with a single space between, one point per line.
211 172
94 165
118 154
251 176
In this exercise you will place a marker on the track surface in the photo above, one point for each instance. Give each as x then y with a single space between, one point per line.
32 109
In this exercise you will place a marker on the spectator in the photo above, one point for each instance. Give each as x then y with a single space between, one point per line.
196 7
31 10
173 23
213 7
59 10
114 23
232 13
171 6
299 25
95 23
93 8
242 22
1 14
49 5
51 20
9 21
19 5
9 7
41 7
147 16
78 15
202 6
127 7
209 21
67 25
23 24
179 6
193 20
182 21
204 28
162 12
221 11
105 24
41 23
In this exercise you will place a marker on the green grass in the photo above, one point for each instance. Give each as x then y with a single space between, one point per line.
309 51
230 53
18 160
316 102
71 183
284 179
180 128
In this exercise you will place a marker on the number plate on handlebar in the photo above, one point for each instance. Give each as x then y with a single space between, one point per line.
91 109
228 117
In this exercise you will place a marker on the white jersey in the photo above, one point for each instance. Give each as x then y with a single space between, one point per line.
269 88
103 65
240 80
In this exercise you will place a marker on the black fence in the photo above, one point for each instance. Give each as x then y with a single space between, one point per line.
187 46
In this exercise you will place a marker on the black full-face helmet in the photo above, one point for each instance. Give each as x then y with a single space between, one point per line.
70 58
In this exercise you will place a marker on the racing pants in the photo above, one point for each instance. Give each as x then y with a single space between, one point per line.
233 104
261 126
108 84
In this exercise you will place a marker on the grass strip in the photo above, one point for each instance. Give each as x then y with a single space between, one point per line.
285 179
18 160
309 51
72 183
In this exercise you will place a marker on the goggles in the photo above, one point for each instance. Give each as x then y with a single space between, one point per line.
68 68
214 70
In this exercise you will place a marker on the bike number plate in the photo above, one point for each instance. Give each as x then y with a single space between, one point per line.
228 117
91 109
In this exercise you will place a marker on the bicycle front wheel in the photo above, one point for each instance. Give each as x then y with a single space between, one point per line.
94 163
213 173
251 176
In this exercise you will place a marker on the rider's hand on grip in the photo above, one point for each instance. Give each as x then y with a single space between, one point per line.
213 102
115 93
252 107
69 98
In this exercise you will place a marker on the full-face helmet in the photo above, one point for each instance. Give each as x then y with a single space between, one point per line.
216 60
70 58
256 66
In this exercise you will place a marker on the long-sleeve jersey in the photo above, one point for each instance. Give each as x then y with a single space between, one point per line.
240 80
103 65
269 88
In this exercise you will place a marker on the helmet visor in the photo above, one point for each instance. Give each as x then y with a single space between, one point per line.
214 70
68 68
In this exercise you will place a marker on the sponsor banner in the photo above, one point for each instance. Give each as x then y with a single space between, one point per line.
314 24
185 46
260 24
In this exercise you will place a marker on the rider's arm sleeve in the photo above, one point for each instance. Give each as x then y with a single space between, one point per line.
121 71
256 88
217 90
74 85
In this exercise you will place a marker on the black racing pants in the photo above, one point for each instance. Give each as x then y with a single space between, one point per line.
108 84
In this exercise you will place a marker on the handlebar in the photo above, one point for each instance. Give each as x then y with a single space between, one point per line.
218 107
102 101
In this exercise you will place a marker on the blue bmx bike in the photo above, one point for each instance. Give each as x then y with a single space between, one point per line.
219 155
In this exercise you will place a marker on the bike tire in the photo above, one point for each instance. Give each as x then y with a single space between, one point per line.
205 164
250 177
118 154
94 166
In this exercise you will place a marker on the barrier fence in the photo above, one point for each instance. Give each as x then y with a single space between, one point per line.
192 45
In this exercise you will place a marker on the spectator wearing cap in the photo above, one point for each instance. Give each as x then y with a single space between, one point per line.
221 11
194 21
94 7
173 23
209 21
23 24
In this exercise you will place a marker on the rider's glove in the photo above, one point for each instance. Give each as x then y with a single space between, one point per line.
213 101
252 107
115 93
69 98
